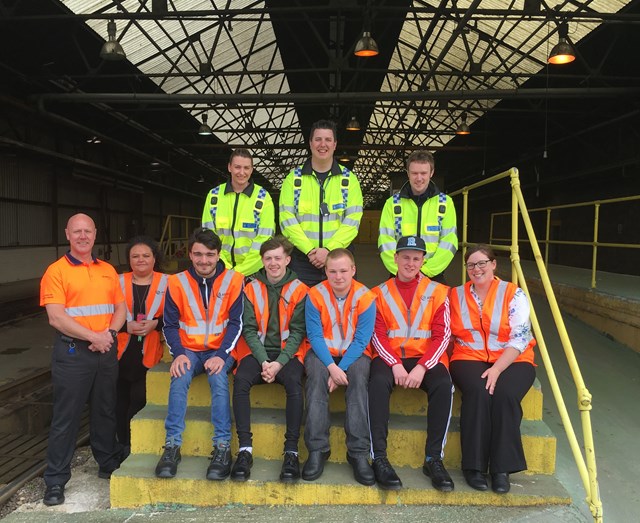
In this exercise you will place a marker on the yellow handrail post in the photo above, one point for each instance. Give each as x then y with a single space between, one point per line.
515 251
584 397
465 217
547 238
491 230
596 221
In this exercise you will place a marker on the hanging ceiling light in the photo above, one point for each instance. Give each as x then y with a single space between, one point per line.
463 128
344 157
204 129
111 49
353 124
201 179
562 52
366 46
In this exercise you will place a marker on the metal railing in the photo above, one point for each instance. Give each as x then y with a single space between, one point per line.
595 244
175 235
586 464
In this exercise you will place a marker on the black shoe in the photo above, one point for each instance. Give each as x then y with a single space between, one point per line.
475 479
440 478
242 467
168 464
362 471
54 495
385 475
220 466
290 470
500 482
314 465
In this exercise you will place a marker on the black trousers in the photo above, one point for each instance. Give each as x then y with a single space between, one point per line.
132 397
248 375
79 375
305 271
439 389
490 424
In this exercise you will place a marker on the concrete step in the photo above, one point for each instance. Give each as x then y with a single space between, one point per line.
405 442
134 485
272 396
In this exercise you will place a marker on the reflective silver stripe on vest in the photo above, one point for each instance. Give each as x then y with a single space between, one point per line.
155 305
406 330
204 326
286 297
122 285
337 340
224 288
262 328
496 316
90 310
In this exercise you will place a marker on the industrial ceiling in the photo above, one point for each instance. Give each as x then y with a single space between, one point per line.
262 72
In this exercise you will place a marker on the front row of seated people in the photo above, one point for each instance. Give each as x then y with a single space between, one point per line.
340 333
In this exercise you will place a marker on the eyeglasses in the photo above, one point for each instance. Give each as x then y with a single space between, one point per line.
481 265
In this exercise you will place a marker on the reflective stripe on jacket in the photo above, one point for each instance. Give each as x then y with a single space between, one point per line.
291 294
301 219
154 304
483 335
339 330
200 328
243 221
409 329
437 229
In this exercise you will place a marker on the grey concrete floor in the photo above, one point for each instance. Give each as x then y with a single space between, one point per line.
611 372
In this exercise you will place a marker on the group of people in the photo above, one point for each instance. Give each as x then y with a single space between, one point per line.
288 309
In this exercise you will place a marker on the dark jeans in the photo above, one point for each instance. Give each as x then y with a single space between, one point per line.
248 375
490 424
306 272
356 425
439 389
79 375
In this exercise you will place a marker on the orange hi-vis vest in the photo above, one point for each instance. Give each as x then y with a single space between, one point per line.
483 336
154 305
339 330
200 328
291 294
409 329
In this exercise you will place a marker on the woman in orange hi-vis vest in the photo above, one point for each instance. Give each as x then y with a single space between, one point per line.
492 364
139 344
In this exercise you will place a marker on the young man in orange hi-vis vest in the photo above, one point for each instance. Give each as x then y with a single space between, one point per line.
340 314
412 333
202 324
271 349
85 305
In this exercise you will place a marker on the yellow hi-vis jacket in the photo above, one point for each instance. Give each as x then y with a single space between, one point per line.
243 221
434 222
309 224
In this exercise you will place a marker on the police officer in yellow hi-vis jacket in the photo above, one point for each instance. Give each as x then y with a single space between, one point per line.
320 205
420 209
241 213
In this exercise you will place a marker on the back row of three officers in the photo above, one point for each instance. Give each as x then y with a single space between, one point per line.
321 208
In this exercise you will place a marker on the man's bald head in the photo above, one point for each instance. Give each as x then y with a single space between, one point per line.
81 233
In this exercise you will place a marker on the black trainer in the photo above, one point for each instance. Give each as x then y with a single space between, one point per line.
242 467
220 466
54 495
440 478
168 464
290 470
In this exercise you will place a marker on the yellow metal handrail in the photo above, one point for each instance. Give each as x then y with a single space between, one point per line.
594 244
586 468
175 234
